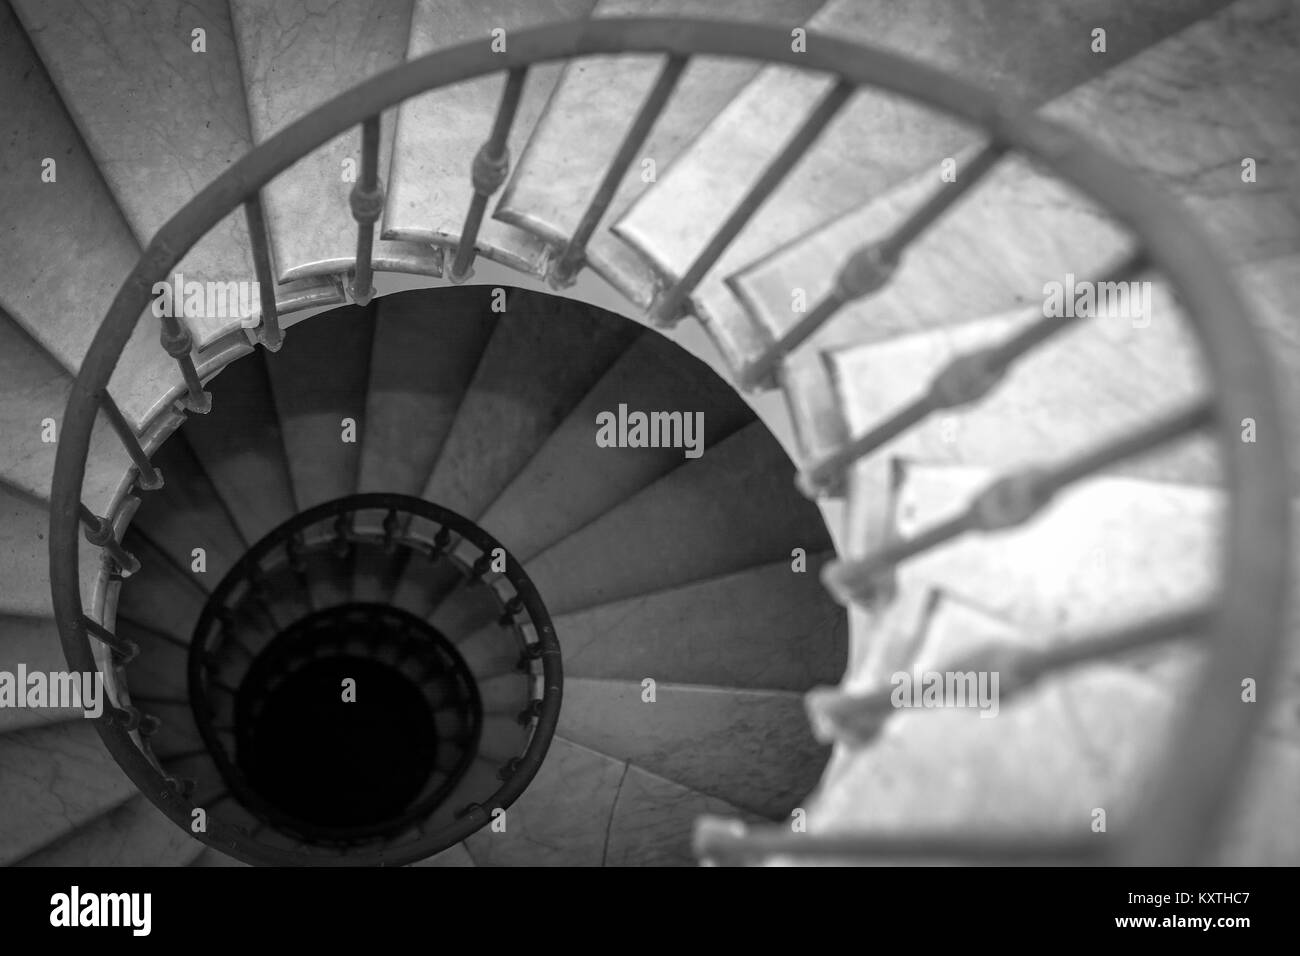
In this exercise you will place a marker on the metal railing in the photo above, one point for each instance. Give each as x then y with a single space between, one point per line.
1246 625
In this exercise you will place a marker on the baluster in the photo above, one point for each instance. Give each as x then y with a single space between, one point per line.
99 532
868 269
963 380
124 650
177 342
1009 501
269 334
491 165
148 478
667 310
574 254
367 201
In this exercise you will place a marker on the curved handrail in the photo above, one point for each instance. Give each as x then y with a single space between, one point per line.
1204 758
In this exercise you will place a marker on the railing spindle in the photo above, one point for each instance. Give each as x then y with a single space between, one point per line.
858 717
869 268
367 201
963 380
575 251
124 650
491 165
1010 500
148 477
667 310
270 334
99 532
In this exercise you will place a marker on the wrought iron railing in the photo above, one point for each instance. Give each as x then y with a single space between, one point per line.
1244 627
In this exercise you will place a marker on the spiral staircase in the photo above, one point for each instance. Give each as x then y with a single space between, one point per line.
1095 507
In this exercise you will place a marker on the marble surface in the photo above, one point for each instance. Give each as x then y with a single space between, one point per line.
1103 377
52 780
764 627
544 356
1020 226
424 355
35 387
751 748
160 121
134 834
1048 758
34 643
160 595
563 816
161 670
593 104
439 132
25 557
887 136
730 509
452 856
311 405
570 480
188 513
65 245
240 446
295 56
653 818
1106 551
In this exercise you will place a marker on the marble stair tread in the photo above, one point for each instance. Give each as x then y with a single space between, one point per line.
133 834
295 56
25 557
563 816
1106 551
161 595
653 817
311 406
749 747
32 643
730 509
1270 792
593 104
455 855
34 388
188 513
54 779
1109 374
65 244
1050 756
162 669
544 356
422 362
439 132
241 448
131 79
571 480
1019 227
807 386
888 136
768 627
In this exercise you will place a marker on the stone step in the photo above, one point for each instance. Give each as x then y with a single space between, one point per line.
571 480
765 627
311 402
593 104
1020 227
423 360
544 356
60 299
888 137
53 780
439 132
295 57
133 834
732 508
749 747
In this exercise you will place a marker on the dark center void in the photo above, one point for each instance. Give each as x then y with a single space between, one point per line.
332 762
